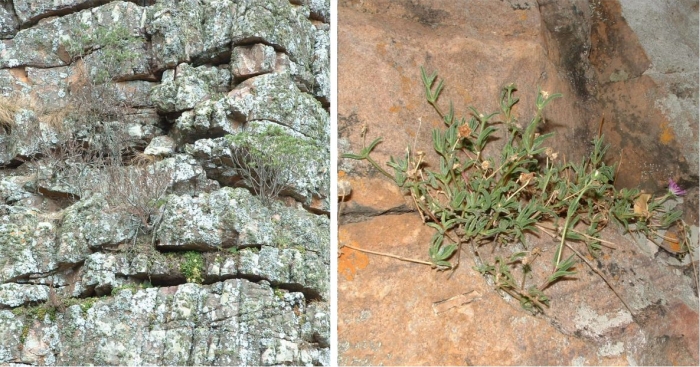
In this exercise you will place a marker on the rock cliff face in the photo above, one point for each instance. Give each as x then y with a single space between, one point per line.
633 63
164 182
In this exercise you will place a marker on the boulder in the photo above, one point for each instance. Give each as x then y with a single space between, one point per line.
226 323
29 243
185 87
589 52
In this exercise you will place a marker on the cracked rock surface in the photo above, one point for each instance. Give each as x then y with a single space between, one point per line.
131 231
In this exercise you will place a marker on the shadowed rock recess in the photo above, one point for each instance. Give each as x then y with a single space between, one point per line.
164 182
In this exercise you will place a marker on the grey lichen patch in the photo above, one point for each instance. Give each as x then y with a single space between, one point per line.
275 97
276 23
619 76
90 223
185 31
28 244
593 325
39 46
14 294
185 87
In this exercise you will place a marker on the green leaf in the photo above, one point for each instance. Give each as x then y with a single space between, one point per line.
446 252
516 256
352 156
563 269
458 199
439 142
483 136
449 117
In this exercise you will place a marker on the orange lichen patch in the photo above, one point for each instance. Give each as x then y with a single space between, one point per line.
522 15
381 48
667 134
411 133
350 261
341 174
394 109
466 97
672 242
407 83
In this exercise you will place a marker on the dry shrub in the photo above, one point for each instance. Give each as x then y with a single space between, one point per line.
141 159
138 190
8 108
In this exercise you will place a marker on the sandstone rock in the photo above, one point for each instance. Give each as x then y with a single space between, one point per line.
26 136
209 119
9 23
186 31
11 189
320 10
162 146
301 75
308 180
185 87
89 224
186 175
29 243
551 45
233 217
247 61
108 106
35 46
10 341
32 11
134 327
292 33
103 272
289 267
321 66
274 97
14 294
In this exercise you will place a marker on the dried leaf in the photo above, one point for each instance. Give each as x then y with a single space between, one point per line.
464 131
641 205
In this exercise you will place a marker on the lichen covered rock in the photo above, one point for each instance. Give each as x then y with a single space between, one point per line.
118 121
185 87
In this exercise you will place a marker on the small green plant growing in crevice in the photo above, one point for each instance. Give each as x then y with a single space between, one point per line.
192 266
279 293
491 201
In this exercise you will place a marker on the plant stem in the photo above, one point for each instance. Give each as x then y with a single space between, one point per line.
390 255
376 165
572 209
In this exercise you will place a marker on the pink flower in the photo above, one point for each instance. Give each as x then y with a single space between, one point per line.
675 189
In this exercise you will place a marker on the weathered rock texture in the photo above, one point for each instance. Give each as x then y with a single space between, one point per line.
610 59
129 231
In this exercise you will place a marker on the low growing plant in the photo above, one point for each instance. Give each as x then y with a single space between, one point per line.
192 267
484 200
